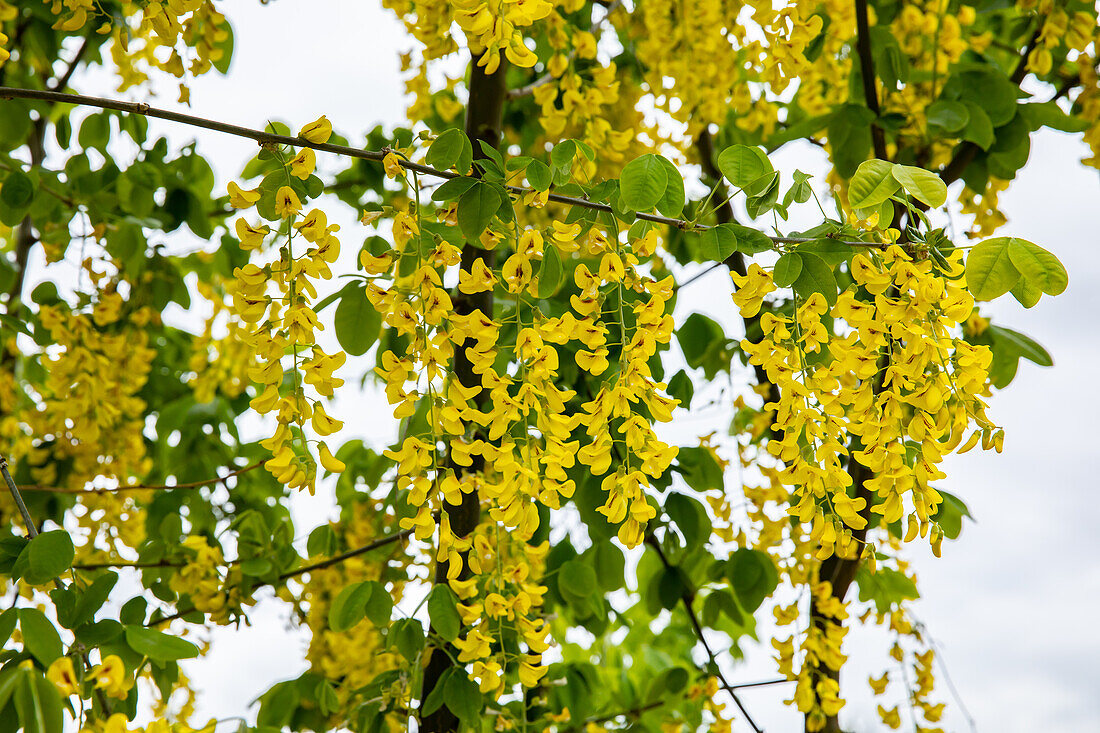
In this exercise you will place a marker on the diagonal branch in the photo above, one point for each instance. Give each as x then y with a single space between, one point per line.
268 138
687 597
320 565
146 487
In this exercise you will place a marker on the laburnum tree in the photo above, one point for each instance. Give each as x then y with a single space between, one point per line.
534 552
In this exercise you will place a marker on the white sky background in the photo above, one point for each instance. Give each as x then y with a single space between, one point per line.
1012 603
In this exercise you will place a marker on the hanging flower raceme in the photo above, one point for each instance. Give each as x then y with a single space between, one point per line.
274 298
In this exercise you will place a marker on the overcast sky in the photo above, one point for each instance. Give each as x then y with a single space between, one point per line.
1012 603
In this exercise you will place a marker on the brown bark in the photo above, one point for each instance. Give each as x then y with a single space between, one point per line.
483 123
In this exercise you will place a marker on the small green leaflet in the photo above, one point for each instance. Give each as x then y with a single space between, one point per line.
743 165
643 182
158 646
551 273
787 269
443 612
357 323
476 208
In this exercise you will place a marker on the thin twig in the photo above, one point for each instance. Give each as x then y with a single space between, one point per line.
380 542
268 138
146 487
687 596
32 531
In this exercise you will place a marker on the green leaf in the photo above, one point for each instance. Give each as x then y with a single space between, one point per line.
850 137
463 697
952 116
885 587
742 164
922 185
949 514
407 635
158 646
576 580
40 637
321 542
538 175
643 182
349 607
717 243
815 277
673 199
551 273
38 704
699 468
1026 292
987 87
443 612
872 184
1049 114
753 575
1020 345
379 604
979 130
800 192
690 517
17 191
1038 265
610 565
453 188
476 209
48 555
445 150
989 270
92 599
356 322
787 269
750 241
672 585
7 626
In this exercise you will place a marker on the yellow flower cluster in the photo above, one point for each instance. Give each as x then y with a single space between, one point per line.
119 723
898 378
151 35
90 404
493 27
508 436
220 363
285 325
357 655
201 579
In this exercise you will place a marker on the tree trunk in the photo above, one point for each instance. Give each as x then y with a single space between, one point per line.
483 123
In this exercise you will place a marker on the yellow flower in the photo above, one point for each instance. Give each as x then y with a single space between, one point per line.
329 461
110 676
303 164
63 676
251 237
240 198
392 164
318 131
286 202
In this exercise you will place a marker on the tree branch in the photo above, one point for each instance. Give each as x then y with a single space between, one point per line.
321 565
267 138
146 487
966 152
687 597
867 71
